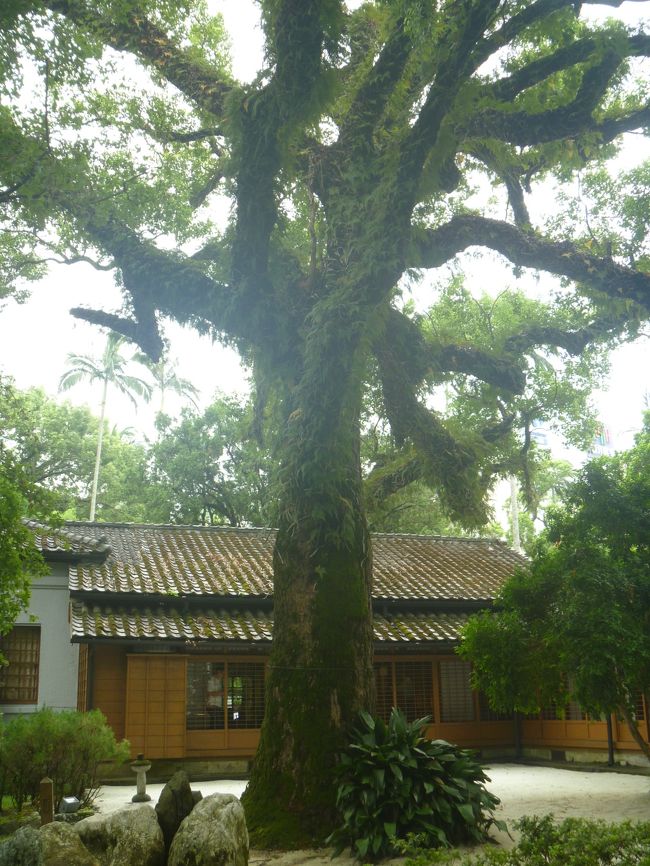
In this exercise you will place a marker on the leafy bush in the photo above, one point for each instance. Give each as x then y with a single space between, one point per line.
573 842
67 746
394 781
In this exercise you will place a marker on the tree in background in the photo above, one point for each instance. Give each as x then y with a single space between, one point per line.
166 379
207 468
575 625
210 469
547 483
108 370
55 446
20 561
356 157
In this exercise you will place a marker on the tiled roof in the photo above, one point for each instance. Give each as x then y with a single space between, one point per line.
420 567
227 562
169 623
181 560
75 539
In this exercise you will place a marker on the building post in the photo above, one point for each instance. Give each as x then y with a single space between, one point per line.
610 742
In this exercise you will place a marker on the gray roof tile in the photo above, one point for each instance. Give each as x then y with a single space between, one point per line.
214 624
222 561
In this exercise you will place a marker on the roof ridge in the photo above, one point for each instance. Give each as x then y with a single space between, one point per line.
464 538
133 525
256 529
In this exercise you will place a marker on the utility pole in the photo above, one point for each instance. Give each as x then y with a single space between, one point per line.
514 514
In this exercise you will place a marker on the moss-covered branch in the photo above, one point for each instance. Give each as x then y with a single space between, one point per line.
372 96
199 81
524 128
449 465
454 64
433 248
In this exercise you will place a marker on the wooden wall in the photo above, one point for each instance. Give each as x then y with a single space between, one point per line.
144 700
107 673
155 705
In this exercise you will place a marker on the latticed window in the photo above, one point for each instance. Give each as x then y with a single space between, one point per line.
414 681
573 712
224 695
639 707
384 689
456 697
82 679
19 678
245 695
205 696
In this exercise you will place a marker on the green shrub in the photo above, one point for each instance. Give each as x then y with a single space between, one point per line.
573 842
394 781
66 746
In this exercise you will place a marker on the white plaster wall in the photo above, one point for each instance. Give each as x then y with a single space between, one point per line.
59 659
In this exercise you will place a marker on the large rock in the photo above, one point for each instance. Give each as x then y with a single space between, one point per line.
213 834
174 805
61 846
24 848
130 837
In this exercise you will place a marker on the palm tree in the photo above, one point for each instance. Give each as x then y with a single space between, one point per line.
166 379
109 370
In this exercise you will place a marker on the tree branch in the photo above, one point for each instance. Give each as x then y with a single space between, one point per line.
266 117
433 248
510 177
371 98
454 64
568 121
144 335
580 51
135 33
385 480
421 357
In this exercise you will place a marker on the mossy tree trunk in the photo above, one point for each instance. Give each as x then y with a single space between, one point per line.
320 671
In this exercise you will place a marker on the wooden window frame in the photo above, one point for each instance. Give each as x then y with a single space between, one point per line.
25 661
227 708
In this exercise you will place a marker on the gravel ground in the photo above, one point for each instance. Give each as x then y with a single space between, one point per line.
523 790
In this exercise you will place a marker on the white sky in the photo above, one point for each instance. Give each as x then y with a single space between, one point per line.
35 337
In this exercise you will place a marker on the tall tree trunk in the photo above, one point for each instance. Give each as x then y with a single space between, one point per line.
320 672
98 453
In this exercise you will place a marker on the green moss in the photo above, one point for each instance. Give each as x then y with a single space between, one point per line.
281 830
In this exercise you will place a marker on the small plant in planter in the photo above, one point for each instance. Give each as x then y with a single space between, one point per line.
394 782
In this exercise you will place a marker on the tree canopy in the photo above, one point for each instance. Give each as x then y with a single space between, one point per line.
356 159
20 497
575 625
205 468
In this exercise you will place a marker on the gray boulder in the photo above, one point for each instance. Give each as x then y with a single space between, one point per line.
130 837
61 846
213 834
24 848
175 804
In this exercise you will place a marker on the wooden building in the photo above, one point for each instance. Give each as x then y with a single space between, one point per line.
174 625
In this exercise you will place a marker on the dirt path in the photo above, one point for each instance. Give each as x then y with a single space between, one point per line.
606 795
523 790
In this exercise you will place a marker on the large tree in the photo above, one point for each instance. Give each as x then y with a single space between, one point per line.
350 161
